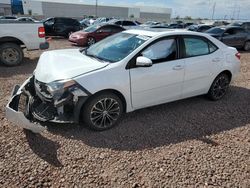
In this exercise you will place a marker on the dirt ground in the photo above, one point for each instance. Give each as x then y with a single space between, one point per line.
189 143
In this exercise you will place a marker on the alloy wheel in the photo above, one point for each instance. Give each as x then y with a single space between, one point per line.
105 113
91 41
220 87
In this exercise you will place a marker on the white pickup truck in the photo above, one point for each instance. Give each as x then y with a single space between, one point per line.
15 36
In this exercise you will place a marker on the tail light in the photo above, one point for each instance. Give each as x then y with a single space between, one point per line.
238 55
41 32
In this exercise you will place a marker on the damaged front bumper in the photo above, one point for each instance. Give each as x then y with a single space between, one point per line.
27 108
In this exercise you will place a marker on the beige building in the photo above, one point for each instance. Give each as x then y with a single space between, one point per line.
5 7
77 9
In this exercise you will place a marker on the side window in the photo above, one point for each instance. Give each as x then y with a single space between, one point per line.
50 21
128 23
212 47
105 29
196 47
116 29
164 50
230 32
118 23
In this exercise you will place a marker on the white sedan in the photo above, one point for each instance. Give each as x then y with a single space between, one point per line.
122 73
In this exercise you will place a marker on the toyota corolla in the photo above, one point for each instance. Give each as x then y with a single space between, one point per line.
122 73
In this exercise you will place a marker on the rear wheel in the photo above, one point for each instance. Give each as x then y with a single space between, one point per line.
91 41
247 46
102 111
11 54
219 87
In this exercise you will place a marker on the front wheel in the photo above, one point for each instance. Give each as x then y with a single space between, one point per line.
219 87
91 41
11 54
102 111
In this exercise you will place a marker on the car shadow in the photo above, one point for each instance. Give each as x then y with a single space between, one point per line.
172 123
27 67
43 148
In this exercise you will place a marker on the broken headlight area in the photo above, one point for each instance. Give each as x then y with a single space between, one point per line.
54 102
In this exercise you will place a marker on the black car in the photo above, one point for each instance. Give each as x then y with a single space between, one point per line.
60 26
176 26
199 28
232 36
244 25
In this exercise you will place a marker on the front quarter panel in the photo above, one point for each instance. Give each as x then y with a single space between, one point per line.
112 77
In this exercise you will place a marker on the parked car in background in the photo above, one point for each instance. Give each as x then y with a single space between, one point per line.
150 23
8 17
102 20
61 26
94 33
26 19
131 70
127 24
176 26
14 37
188 24
232 36
85 23
199 28
244 25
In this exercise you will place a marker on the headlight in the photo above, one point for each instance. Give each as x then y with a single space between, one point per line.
57 88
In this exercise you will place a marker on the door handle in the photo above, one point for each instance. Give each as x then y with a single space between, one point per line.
216 60
178 67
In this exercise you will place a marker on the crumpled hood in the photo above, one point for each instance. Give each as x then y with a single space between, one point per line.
65 64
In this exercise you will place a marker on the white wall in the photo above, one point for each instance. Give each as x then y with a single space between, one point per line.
134 11
5 1
34 6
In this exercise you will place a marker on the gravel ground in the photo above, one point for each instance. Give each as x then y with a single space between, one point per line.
189 143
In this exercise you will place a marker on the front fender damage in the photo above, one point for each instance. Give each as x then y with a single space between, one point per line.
27 108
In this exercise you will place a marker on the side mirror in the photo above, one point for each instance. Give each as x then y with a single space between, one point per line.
143 62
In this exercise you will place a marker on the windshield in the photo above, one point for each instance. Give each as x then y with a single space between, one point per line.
116 47
236 24
216 30
91 28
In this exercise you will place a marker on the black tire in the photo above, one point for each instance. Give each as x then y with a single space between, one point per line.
91 41
99 116
11 54
247 46
219 87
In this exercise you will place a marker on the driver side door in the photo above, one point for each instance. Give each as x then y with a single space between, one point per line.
102 33
162 82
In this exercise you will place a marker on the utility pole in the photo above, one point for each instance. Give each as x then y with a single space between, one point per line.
96 6
238 13
213 10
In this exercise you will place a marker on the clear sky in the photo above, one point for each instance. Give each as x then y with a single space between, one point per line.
195 8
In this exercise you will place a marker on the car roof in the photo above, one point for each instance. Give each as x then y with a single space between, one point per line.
159 32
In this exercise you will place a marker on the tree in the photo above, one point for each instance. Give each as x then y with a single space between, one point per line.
188 18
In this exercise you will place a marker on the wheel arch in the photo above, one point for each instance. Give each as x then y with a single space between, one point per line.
113 91
228 73
9 39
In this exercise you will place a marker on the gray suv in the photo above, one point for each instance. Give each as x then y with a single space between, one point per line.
232 36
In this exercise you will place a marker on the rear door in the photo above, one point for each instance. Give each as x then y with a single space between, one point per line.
202 59
162 82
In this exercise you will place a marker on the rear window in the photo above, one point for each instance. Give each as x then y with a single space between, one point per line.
195 47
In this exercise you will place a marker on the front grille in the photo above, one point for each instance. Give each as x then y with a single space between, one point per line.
42 88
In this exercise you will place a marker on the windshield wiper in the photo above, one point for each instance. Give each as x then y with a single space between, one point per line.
94 56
